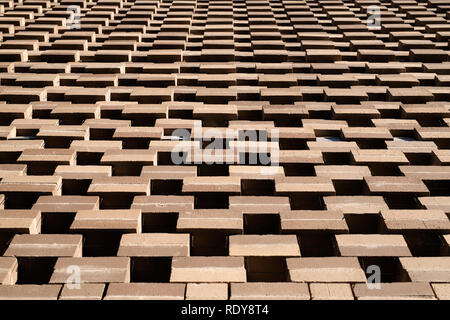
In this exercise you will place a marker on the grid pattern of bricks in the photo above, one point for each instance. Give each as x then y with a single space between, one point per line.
91 93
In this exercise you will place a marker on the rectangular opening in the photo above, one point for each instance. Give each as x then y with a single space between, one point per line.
316 243
164 222
101 133
165 158
9 157
418 159
179 114
336 158
75 187
438 187
21 200
371 143
142 120
35 270
262 224
5 239
306 201
115 200
56 222
135 143
100 243
209 200
363 223
166 187
212 170
348 187
402 201
150 269
299 169
209 243
89 158
41 168
384 169
257 187
127 169
292 144
266 269
423 243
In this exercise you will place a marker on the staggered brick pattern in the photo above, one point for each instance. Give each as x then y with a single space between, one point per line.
361 182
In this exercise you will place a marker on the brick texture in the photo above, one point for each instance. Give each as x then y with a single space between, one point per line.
241 149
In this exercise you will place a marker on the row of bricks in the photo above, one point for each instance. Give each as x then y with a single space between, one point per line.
248 204
400 151
109 187
175 245
434 36
337 8
422 71
232 269
394 36
361 162
337 14
379 117
120 191
177 113
231 221
224 55
220 291
354 94
257 81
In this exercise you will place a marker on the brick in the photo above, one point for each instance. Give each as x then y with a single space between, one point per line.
415 219
305 185
264 245
211 184
41 245
30 292
395 291
163 203
208 269
372 245
269 291
261 204
206 291
442 290
120 220
8 270
313 220
154 245
331 291
20 221
93 269
88 291
426 269
230 220
356 204
332 269
145 291
65 203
